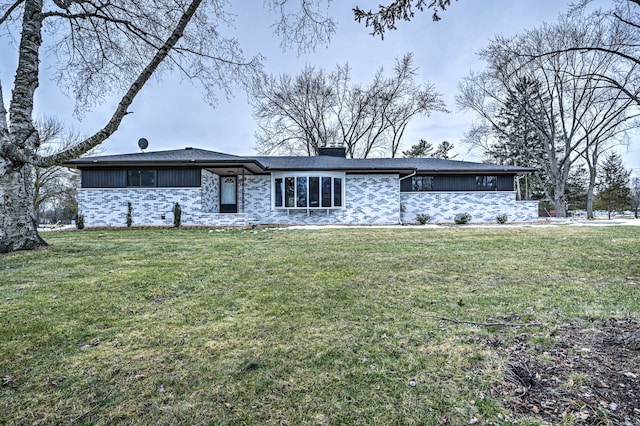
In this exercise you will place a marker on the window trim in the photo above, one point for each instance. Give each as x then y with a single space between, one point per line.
282 177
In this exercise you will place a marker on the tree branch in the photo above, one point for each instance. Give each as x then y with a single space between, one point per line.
385 17
10 10
483 324
120 112
4 128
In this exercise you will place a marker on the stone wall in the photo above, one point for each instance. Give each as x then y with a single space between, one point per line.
482 206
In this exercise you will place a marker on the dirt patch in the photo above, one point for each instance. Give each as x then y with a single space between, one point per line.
578 376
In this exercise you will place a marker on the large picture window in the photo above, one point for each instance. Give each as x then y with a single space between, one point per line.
299 190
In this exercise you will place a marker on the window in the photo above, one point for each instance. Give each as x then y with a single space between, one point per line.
141 178
422 183
486 183
417 184
279 188
298 190
456 183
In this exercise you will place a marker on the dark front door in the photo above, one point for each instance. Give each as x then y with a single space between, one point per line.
228 189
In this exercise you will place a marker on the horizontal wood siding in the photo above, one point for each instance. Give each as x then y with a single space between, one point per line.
454 183
405 185
179 178
165 177
505 182
459 183
104 178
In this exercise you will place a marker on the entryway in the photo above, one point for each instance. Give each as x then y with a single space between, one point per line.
228 191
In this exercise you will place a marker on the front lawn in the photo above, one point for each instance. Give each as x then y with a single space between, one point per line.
335 326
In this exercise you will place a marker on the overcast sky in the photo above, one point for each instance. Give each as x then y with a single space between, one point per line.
171 114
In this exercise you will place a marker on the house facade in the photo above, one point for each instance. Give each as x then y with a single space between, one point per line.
216 189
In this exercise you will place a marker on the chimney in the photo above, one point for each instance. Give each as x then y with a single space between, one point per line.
332 151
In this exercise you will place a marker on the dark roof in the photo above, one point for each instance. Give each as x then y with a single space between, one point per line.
206 158
186 155
382 164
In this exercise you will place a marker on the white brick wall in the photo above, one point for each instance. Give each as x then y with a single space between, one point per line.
482 206
108 206
369 199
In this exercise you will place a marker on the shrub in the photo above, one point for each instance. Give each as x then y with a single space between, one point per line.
177 215
129 211
502 218
423 219
462 218
80 221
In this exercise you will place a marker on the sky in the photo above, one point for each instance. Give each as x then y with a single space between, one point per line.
171 113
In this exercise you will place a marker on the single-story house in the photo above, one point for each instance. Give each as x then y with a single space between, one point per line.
217 189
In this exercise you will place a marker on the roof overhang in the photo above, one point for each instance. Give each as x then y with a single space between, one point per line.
218 167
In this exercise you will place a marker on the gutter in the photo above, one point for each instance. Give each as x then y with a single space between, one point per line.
408 176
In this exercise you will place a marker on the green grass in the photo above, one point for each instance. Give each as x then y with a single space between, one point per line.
336 326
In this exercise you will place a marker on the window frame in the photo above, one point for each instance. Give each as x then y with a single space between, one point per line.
333 200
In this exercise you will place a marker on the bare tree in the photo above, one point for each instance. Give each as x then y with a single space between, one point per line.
292 112
53 184
572 117
114 48
317 108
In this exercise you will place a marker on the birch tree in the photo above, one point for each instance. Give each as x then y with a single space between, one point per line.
101 49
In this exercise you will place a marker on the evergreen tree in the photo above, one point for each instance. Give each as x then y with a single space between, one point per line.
577 188
421 149
442 151
517 142
613 185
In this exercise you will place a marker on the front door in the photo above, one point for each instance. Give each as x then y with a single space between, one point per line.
228 203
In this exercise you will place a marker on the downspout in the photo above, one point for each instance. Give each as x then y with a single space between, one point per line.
399 180
408 176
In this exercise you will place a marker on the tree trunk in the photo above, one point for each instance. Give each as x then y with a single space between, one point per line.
560 202
19 229
590 190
